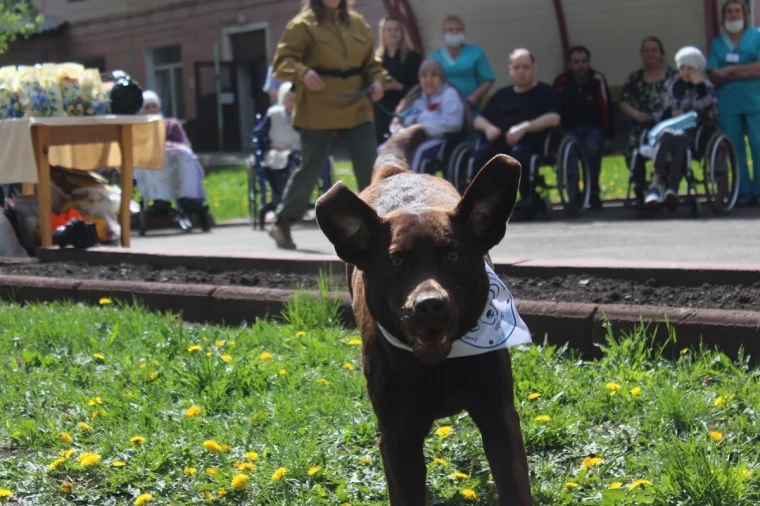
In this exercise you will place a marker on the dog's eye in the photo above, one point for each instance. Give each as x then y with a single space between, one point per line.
397 261
453 256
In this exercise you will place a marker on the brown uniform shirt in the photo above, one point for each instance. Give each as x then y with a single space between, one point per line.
329 44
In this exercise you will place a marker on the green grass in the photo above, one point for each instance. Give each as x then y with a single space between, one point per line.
228 189
293 393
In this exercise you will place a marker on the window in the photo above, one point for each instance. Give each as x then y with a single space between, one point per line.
164 65
96 62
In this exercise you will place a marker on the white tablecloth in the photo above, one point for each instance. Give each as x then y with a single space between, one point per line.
17 162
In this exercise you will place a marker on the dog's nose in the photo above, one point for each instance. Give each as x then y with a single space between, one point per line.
430 306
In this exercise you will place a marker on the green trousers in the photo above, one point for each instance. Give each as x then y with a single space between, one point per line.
361 145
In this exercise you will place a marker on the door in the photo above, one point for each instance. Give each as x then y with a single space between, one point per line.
207 129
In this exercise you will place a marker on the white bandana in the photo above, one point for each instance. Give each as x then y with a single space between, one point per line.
499 327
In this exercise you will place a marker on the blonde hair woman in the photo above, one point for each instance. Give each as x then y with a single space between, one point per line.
402 65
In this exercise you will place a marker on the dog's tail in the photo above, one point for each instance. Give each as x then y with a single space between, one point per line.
397 152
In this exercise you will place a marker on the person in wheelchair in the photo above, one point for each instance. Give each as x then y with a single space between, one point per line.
687 98
516 118
437 106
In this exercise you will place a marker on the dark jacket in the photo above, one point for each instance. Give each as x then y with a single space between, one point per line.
586 105
678 94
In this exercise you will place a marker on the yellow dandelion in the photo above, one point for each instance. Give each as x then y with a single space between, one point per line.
5 493
94 401
345 504
208 496
589 462
543 418
459 476
616 485
444 431
314 470
85 426
137 440
282 372
534 396
88 459
279 473
190 470
194 348
366 461
96 414
639 483
56 463
348 366
66 454
245 466
251 455
222 492
209 353
323 381
143 365
300 333
747 473
226 357
716 436
153 376
635 391
143 499
118 463
469 494
684 351
266 356
218 343
212 471
571 484
65 487
239 480
226 448
104 301
613 386
258 415
193 411
718 401
440 462
65 437
354 342
212 446
98 356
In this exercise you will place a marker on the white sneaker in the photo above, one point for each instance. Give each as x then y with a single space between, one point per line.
653 197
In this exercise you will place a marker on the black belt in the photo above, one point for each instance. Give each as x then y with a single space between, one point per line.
342 73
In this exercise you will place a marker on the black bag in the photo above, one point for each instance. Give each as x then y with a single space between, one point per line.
126 94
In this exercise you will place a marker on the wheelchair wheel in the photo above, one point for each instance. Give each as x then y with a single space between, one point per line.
721 174
459 164
573 176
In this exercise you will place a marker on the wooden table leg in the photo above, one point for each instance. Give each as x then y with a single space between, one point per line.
27 189
127 171
41 139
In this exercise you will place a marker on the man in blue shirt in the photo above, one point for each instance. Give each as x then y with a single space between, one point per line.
734 67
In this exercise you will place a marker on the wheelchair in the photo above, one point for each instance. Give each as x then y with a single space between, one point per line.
263 180
717 173
563 153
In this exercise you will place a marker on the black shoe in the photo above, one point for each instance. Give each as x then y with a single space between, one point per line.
281 235
76 233
595 202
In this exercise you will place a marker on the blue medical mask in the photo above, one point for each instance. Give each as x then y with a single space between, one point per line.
453 39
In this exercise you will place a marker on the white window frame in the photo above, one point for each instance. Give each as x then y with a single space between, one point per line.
152 68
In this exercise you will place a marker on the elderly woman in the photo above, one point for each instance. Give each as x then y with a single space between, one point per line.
182 177
465 66
437 106
327 52
686 99
151 103
642 91
735 69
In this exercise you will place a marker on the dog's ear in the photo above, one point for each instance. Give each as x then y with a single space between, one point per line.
489 200
348 222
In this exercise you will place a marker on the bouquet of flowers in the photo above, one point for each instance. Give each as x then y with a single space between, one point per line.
10 106
38 91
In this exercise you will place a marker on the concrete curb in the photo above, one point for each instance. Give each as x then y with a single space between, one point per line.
680 274
582 326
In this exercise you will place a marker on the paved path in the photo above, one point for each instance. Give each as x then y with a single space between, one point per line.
612 234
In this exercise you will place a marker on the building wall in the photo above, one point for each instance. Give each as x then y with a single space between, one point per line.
611 29
123 31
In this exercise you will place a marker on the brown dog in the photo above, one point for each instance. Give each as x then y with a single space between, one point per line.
416 266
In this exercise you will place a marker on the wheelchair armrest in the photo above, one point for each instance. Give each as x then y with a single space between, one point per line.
552 140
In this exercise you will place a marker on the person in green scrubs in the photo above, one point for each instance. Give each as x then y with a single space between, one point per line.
734 67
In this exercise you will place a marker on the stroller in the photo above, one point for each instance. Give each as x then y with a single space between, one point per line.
261 176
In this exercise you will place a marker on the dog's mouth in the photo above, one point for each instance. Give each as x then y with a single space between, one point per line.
432 346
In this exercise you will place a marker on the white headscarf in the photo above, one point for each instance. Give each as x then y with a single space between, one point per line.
151 97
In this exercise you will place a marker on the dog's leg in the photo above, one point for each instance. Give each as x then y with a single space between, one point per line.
490 403
401 446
